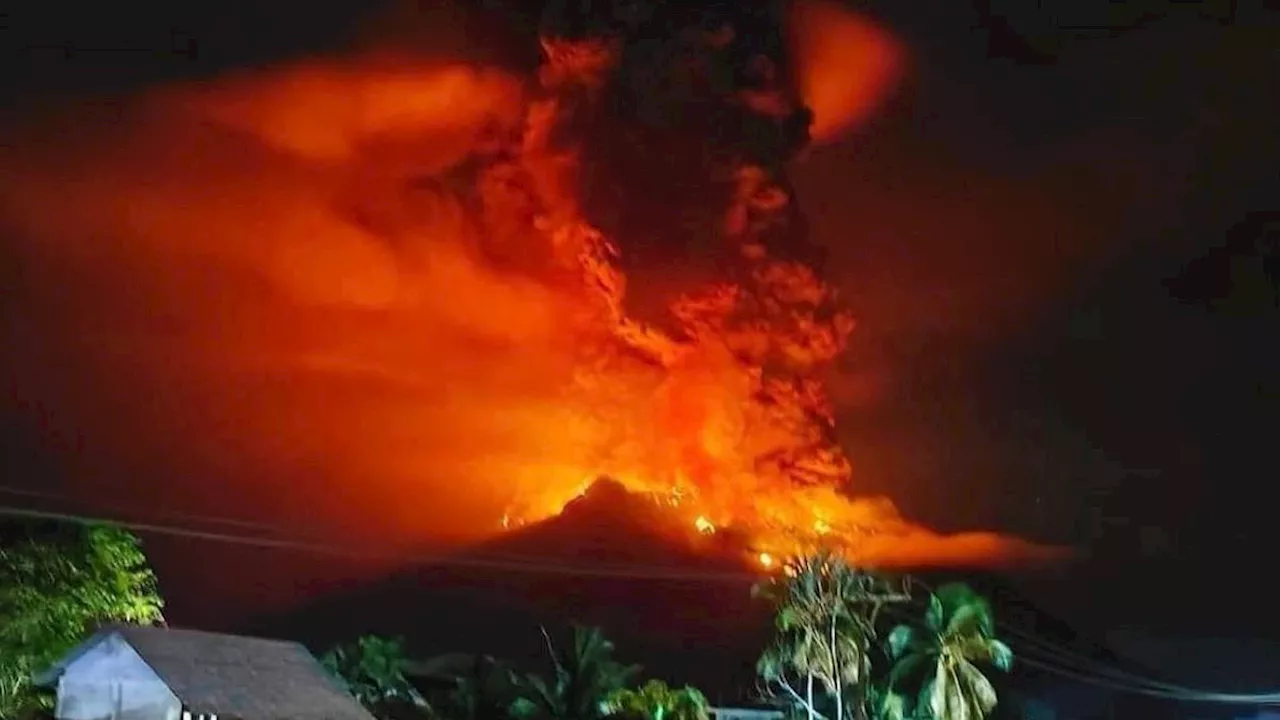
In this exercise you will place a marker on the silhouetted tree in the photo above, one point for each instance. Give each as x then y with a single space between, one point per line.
373 669
826 614
584 676
1240 276
940 663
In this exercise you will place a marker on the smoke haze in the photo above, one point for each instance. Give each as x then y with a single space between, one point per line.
276 290
240 269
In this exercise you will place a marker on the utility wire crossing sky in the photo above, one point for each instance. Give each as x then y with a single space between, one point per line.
1030 650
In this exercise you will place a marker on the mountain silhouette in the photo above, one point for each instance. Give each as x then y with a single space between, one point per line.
682 609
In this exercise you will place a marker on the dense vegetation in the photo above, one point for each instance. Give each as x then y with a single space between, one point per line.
836 655
848 645
57 585
830 662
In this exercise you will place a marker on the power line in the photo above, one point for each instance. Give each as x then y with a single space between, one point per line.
1059 652
284 542
1102 674
495 562
184 517
1117 679
1078 659
1261 699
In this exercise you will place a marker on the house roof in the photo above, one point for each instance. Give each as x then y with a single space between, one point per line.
235 677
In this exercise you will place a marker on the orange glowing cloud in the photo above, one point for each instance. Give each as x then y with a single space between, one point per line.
327 110
256 286
845 65
318 282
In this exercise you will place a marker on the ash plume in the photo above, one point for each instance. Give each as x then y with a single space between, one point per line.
441 295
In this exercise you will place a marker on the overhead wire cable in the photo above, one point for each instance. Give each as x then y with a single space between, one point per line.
1106 676
1102 675
169 515
529 565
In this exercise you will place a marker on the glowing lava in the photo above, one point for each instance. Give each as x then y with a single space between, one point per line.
726 419
376 272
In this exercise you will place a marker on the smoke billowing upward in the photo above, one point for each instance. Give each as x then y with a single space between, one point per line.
428 295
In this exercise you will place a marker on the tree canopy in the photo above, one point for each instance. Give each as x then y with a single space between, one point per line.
940 664
826 657
373 669
57 585
585 674
826 621
655 700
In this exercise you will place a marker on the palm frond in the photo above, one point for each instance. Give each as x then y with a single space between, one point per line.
523 707
1001 655
933 616
948 697
901 638
925 699
907 670
982 650
977 687
971 617
893 707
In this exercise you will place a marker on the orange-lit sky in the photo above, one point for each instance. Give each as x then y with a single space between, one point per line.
271 289
999 228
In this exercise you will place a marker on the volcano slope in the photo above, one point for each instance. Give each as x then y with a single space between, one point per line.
613 559
678 603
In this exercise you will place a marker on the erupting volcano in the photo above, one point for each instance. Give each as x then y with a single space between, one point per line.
412 274
723 417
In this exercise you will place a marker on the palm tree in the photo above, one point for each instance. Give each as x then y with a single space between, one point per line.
585 676
479 687
655 700
943 661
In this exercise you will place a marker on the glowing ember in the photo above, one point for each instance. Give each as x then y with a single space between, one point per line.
726 418
381 267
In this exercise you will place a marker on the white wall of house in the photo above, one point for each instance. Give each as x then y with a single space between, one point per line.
112 682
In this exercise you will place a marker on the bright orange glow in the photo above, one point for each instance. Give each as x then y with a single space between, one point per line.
333 279
845 65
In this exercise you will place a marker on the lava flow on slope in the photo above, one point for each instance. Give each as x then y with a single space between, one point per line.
721 415
406 288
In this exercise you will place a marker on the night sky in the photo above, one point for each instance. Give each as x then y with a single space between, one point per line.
1006 231
1023 212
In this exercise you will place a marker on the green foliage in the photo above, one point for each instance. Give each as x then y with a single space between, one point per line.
484 690
586 684
825 618
655 700
55 589
937 667
373 670
584 677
